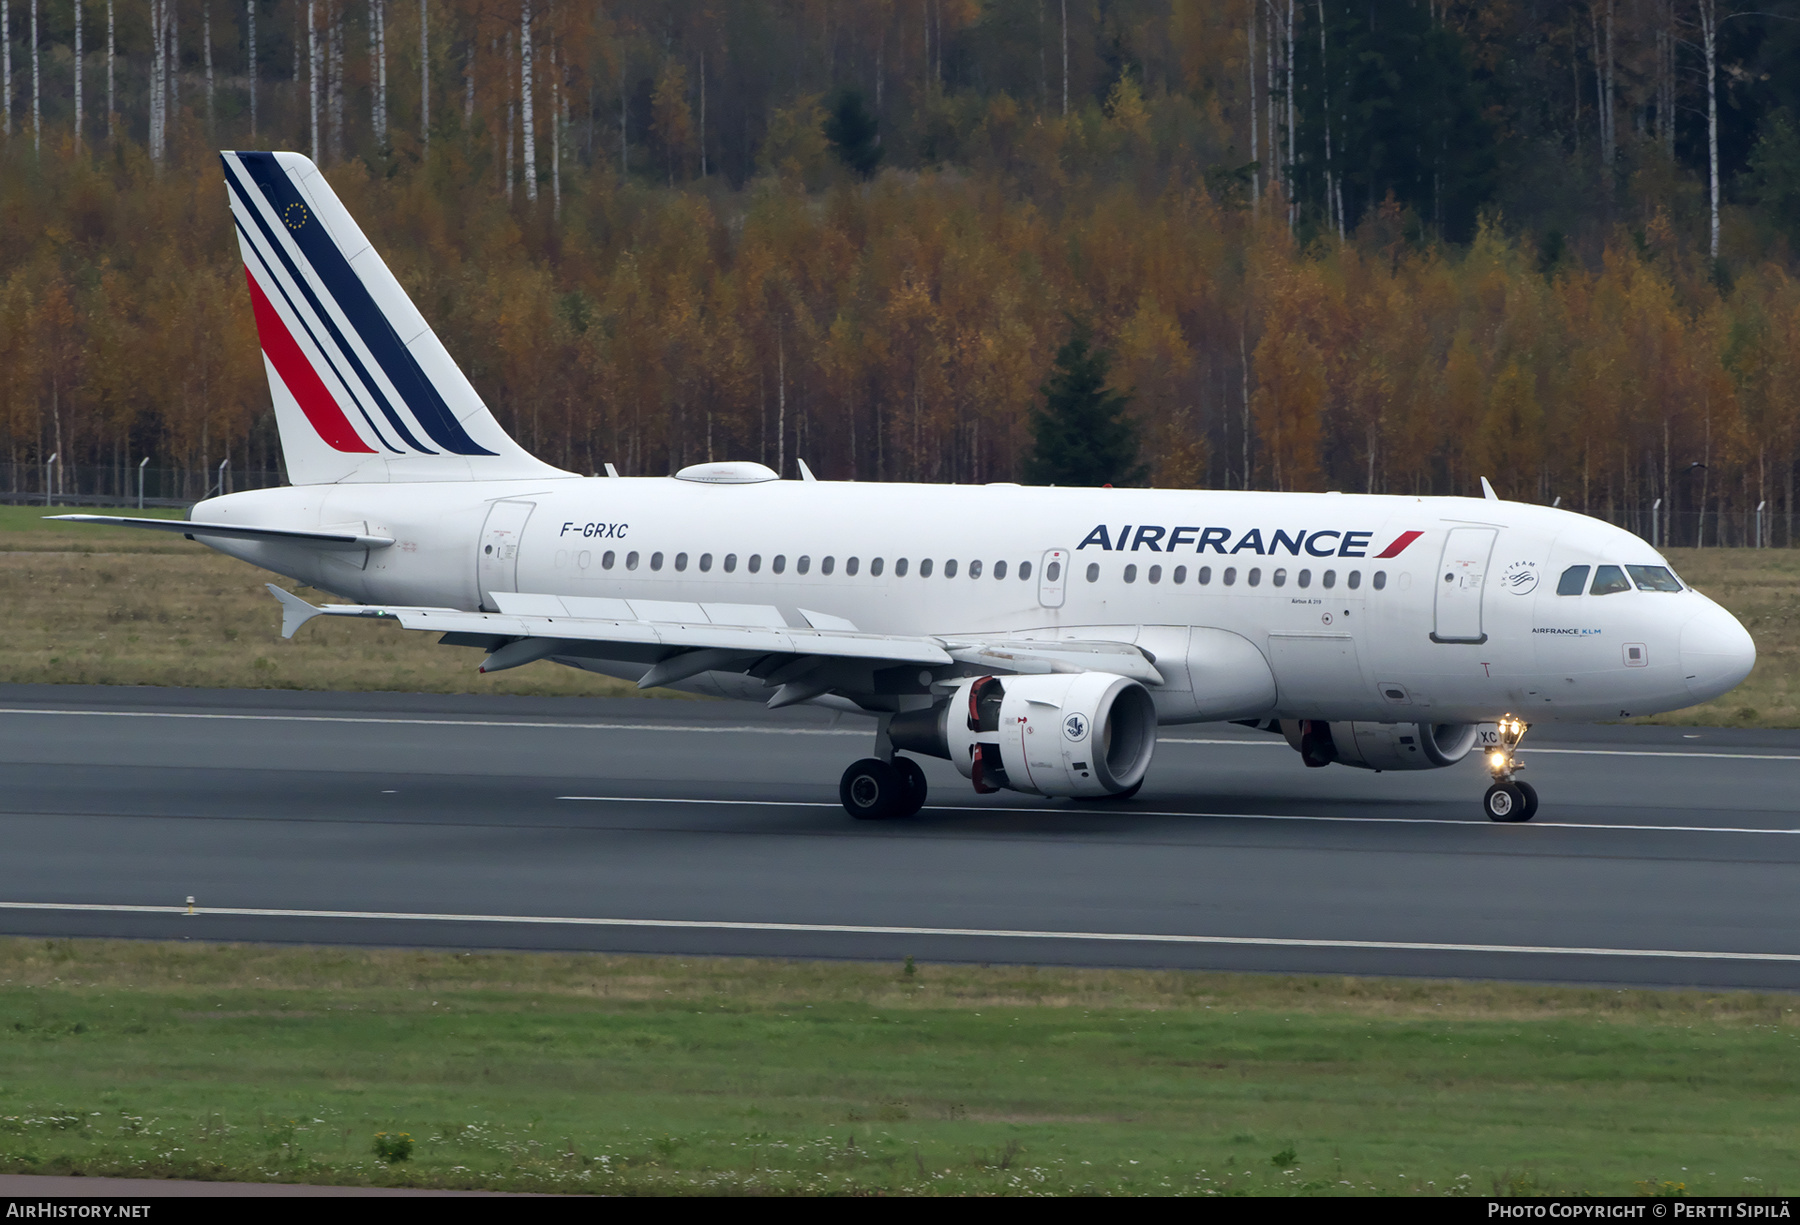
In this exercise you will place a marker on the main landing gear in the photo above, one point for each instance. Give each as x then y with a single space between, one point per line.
1508 799
877 790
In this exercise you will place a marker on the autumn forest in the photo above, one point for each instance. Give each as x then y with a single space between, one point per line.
1388 247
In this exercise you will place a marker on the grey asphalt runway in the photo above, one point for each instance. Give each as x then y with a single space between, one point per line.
1660 856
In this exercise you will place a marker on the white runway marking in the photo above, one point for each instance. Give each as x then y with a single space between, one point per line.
752 729
836 929
1527 751
1219 816
585 727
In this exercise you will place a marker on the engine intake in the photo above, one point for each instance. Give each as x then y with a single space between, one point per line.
1080 734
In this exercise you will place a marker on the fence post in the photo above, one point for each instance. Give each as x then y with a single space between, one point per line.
48 465
1656 524
141 464
224 466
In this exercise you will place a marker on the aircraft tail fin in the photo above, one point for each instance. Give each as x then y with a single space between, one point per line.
363 388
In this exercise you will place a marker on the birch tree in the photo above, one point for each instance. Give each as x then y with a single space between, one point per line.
112 109
159 69
207 48
37 111
249 57
78 76
1250 59
529 130
312 75
6 69
424 76
1709 38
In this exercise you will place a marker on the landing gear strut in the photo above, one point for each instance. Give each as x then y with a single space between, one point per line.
1508 799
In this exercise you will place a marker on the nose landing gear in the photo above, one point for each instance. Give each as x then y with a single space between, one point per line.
1509 799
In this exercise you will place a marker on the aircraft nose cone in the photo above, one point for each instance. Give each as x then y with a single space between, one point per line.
1716 653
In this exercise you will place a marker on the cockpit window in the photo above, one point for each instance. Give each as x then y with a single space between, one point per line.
1607 580
1572 581
1653 578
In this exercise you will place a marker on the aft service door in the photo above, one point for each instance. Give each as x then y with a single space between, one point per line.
1053 578
497 564
1459 581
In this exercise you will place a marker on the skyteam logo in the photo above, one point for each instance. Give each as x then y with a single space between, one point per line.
326 337
1075 727
1323 542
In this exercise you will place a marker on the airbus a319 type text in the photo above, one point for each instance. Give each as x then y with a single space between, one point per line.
1034 637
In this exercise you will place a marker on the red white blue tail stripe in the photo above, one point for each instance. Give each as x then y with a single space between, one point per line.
325 335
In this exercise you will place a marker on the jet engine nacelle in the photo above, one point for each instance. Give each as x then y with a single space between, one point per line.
1077 734
1381 746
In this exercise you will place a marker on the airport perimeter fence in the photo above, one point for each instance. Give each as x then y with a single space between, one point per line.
140 485
125 485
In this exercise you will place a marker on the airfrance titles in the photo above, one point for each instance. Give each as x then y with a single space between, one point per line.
1326 542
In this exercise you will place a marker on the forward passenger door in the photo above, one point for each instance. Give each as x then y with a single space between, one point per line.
1460 580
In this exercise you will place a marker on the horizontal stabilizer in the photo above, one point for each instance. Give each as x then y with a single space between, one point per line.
337 541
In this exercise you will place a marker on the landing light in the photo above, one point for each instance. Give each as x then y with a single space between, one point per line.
1496 759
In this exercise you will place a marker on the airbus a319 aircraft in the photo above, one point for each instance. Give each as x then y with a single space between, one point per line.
1034 637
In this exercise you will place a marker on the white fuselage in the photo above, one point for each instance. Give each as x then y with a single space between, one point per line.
1460 623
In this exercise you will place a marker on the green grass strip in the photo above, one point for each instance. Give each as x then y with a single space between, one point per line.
669 1075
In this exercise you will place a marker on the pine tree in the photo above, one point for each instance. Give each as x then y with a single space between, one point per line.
854 133
1080 433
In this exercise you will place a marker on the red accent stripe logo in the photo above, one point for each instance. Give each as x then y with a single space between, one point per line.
1399 545
302 380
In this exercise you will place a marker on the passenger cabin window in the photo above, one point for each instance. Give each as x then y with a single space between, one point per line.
999 569
1093 572
607 558
900 568
656 561
875 568
1131 574
950 568
1180 575
681 561
1230 576
1573 580
778 565
1653 578
974 569
705 562
1279 578
730 562
631 560
1379 581
1053 572
1204 577
925 568
1155 574
850 565
1305 578
1254 577
1354 580
802 564
1609 580
1025 570
755 563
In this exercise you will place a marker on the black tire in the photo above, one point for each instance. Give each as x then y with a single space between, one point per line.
912 785
1531 801
1504 802
871 790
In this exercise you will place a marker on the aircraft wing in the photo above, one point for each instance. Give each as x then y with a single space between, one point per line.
234 531
681 640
